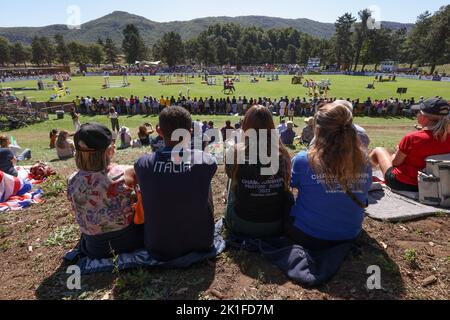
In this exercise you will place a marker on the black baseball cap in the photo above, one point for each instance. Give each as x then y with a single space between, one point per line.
434 106
93 136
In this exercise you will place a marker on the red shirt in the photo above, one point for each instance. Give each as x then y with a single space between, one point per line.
418 146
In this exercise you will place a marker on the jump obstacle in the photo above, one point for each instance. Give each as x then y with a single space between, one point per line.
115 83
60 92
175 79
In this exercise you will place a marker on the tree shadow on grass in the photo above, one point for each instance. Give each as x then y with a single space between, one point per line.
137 284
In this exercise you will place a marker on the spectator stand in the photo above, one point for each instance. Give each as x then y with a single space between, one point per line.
14 116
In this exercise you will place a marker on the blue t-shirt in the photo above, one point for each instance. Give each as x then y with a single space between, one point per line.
327 215
177 202
6 165
287 137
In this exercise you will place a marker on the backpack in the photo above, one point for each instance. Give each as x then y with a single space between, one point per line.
434 181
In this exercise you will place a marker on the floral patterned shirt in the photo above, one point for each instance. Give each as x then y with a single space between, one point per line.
102 201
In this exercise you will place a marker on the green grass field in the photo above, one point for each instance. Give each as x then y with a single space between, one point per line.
385 132
342 87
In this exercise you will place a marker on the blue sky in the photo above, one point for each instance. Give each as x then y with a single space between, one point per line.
40 13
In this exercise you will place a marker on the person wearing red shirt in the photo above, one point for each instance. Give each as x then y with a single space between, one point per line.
401 169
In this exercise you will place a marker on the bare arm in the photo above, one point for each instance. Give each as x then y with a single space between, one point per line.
130 177
398 159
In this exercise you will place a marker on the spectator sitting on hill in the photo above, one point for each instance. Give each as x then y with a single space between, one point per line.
401 169
5 142
333 179
282 126
144 134
158 142
7 158
257 203
176 228
227 130
53 137
288 135
102 198
125 138
308 132
213 135
65 148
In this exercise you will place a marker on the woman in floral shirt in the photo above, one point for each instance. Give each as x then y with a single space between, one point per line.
102 196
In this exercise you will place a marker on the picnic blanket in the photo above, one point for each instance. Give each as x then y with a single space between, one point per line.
142 259
387 205
307 267
16 192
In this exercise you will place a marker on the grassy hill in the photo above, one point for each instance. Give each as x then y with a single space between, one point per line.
111 26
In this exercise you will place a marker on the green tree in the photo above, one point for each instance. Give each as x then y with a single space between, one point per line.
342 40
48 50
133 46
111 52
291 54
191 50
171 49
376 48
281 54
80 54
438 39
100 42
96 54
232 56
206 51
62 51
360 34
19 54
221 50
249 54
37 52
4 51
397 43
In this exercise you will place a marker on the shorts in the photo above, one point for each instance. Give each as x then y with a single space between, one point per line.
393 183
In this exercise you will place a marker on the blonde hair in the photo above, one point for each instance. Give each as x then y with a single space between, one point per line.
337 153
439 126
92 161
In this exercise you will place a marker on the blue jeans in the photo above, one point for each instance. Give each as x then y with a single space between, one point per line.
25 155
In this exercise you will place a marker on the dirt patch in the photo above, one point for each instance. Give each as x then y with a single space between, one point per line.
32 243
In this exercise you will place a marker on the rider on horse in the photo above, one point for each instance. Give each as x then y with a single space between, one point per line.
228 85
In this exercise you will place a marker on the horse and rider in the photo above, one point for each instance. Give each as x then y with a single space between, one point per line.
228 86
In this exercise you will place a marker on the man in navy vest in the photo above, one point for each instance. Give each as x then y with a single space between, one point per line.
176 190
